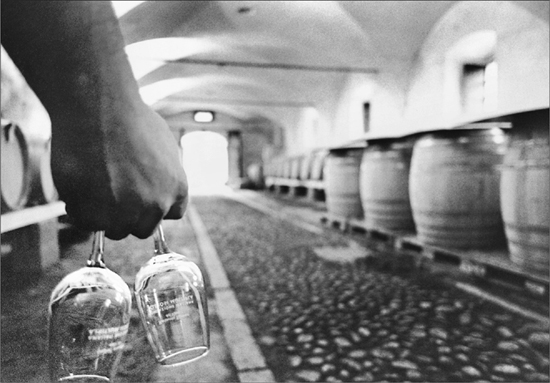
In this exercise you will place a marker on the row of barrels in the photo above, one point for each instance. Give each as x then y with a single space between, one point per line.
302 167
466 189
298 175
26 172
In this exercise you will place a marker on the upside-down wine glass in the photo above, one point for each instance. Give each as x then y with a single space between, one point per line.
89 314
172 304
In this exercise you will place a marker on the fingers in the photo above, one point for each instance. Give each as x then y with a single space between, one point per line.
89 216
178 209
147 223
95 216
119 232
138 222
117 223
129 214
151 217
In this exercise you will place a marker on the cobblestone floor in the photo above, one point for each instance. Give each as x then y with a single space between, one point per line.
322 321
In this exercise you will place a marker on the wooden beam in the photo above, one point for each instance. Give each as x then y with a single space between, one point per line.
32 215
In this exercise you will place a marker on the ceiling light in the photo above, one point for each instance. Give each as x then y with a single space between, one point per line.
203 116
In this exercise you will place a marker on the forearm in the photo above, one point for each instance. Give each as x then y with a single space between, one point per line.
83 71
114 160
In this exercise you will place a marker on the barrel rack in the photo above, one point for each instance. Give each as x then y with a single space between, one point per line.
296 187
298 175
491 265
30 236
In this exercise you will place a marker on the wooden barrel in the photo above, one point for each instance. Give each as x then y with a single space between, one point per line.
524 202
277 170
287 166
342 183
318 165
255 175
268 169
15 174
276 167
384 184
454 188
295 165
42 188
305 165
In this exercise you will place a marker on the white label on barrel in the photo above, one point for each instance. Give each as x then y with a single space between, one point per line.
430 254
472 268
6 248
535 288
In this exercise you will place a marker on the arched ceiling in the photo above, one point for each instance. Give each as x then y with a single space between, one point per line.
246 57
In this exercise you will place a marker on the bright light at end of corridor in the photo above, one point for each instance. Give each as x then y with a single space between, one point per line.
205 161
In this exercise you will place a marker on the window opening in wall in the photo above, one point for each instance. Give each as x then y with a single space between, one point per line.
479 87
205 160
366 116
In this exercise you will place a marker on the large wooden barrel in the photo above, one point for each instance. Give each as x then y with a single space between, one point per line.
524 200
42 188
15 173
342 183
255 175
318 165
287 167
295 166
305 165
454 188
268 169
384 184
278 165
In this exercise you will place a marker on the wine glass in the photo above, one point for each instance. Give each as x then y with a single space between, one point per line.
172 305
89 315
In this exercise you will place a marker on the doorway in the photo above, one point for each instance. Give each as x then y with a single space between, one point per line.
205 160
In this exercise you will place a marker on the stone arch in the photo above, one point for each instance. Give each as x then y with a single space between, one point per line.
250 141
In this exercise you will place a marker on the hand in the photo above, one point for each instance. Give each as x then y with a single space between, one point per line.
125 182
114 161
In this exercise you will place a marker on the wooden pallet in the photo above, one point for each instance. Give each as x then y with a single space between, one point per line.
312 189
491 264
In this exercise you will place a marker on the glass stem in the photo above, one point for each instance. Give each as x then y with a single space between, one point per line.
160 243
96 257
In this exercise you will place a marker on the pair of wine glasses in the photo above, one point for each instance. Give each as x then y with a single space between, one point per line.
89 314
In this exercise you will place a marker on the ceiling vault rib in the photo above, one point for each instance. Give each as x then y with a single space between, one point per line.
221 101
295 104
244 64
